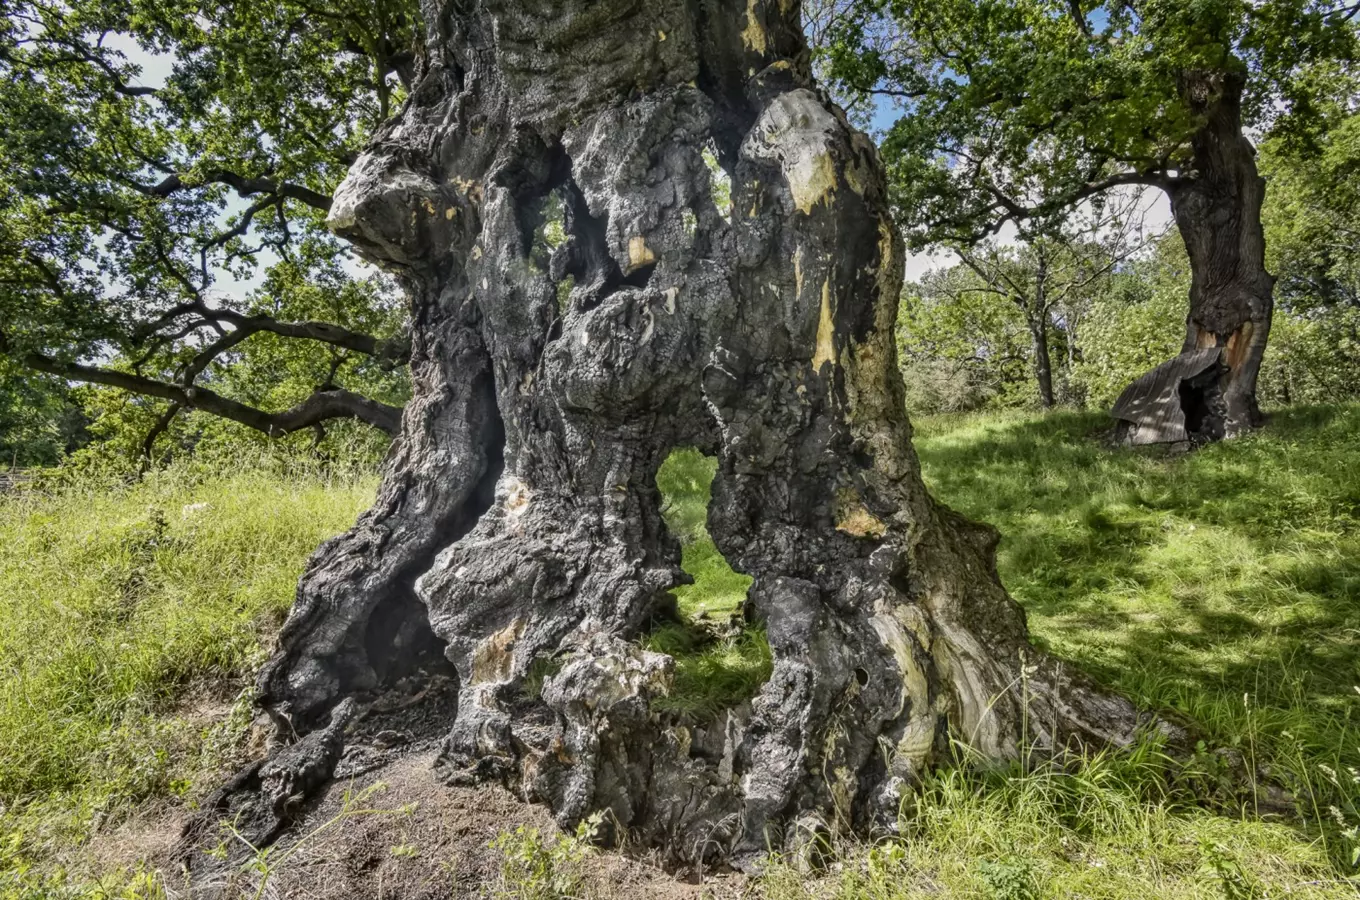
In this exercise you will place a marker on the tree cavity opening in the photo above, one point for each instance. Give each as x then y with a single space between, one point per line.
721 658
549 234
719 182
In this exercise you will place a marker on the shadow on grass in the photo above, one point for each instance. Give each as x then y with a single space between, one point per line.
1224 583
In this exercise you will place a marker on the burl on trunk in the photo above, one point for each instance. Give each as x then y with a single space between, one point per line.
519 517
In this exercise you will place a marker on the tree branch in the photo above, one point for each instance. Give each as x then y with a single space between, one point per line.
319 407
149 443
246 187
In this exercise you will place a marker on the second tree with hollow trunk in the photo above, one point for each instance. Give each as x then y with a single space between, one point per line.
1023 110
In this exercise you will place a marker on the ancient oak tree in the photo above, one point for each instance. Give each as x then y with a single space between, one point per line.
518 520
1018 110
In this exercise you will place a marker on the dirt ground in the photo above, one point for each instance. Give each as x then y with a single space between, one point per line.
388 828
413 838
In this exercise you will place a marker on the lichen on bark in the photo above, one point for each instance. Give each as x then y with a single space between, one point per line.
519 518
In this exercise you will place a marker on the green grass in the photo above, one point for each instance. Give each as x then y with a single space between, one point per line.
124 612
1224 584
720 660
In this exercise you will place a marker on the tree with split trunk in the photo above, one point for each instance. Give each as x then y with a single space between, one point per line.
519 522
1017 110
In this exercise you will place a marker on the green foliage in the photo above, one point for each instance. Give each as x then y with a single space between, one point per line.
1137 325
1313 358
720 184
1312 217
1009 878
535 867
124 613
40 419
1017 108
720 659
136 216
960 346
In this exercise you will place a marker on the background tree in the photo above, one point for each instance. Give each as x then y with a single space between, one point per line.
137 216
1049 273
959 325
1312 218
1010 110
40 419
960 346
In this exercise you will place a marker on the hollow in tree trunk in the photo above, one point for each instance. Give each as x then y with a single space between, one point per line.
519 519
1216 203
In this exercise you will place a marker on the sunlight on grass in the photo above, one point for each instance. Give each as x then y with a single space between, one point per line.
1112 830
720 660
1224 584
132 620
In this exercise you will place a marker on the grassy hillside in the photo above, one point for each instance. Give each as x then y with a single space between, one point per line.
1224 584
131 620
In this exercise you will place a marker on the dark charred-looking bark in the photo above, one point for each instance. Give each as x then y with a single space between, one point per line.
1218 212
1217 206
519 517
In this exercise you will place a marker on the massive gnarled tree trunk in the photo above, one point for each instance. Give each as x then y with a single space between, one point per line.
1217 207
519 517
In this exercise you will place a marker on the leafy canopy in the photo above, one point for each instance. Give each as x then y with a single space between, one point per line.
1001 110
150 231
1312 221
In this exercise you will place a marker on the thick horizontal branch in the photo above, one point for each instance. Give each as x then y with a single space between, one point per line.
391 351
320 407
325 332
246 187
244 326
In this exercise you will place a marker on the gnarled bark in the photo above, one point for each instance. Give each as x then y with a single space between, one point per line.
1217 207
766 339
1232 296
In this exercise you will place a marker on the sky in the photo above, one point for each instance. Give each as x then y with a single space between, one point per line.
157 67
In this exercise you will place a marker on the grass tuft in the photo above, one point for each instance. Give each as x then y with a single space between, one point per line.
132 619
